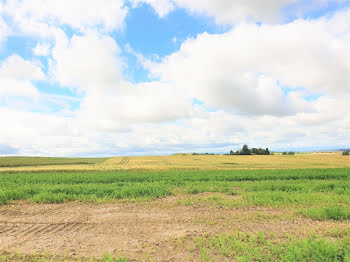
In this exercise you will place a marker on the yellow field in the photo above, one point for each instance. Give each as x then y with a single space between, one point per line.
205 162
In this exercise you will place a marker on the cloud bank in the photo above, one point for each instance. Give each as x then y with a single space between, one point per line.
277 84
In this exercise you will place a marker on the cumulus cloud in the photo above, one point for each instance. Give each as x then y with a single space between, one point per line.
130 104
251 82
4 28
162 7
42 49
231 12
87 62
91 63
20 69
247 67
79 14
16 75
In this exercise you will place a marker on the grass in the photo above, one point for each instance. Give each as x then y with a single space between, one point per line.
259 247
316 193
328 212
46 161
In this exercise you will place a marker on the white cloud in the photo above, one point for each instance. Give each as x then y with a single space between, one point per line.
87 62
16 75
79 14
207 131
162 7
12 87
231 12
91 63
224 11
18 68
245 67
128 104
4 28
42 49
238 74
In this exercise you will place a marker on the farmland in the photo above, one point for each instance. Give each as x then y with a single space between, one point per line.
46 161
177 208
180 161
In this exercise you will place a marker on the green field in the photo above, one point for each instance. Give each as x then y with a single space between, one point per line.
316 193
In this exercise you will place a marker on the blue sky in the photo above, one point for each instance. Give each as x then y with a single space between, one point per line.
158 77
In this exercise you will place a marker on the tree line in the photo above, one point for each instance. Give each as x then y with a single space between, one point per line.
254 151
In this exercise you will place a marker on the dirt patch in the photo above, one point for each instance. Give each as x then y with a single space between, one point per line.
134 229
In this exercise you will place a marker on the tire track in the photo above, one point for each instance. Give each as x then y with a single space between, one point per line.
29 229
166 162
125 160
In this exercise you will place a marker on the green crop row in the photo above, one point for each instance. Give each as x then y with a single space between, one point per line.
316 193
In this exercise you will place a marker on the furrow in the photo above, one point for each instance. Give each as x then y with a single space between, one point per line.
34 229
60 229
5 230
27 229
45 229
71 227
12 230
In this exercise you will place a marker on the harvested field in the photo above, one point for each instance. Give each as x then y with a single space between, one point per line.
182 161
158 229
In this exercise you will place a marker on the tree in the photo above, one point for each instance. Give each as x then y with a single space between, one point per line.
245 150
346 153
267 152
231 152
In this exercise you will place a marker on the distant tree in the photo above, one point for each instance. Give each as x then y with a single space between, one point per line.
346 153
291 153
284 153
255 151
245 150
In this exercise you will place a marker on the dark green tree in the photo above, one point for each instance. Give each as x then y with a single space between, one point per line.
245 150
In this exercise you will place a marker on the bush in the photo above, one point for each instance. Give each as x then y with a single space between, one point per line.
288 153
346 153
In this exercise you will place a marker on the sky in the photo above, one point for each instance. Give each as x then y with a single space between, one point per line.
146 77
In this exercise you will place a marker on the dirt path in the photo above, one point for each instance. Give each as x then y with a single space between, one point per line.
86 230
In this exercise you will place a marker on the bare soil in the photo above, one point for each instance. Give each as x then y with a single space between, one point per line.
135 230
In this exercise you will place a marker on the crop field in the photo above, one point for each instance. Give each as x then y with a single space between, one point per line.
46 161
180 161
176 208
